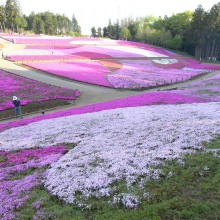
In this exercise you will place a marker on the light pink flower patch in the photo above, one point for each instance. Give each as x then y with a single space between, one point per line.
143 73
116 145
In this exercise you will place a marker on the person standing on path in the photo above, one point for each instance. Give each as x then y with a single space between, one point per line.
17 106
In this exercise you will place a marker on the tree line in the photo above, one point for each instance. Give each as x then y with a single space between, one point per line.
12 19
196 33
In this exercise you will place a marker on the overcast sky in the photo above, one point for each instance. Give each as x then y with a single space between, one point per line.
96 13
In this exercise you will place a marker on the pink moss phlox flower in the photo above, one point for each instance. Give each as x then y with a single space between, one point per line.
110 150
25 155
16 85
139 100
207 89
14 193
88 71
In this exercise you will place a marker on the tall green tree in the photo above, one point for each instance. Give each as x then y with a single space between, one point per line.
30 20
133 28
110 29
2 17
178 23
38 25
105 32
116 30
99 32
125 33
93 32
13 14
75 26
48 23
61 24
196 34
213 33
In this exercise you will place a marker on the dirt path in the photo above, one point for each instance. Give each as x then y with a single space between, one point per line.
89 94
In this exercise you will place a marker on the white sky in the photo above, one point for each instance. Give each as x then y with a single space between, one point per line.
97 13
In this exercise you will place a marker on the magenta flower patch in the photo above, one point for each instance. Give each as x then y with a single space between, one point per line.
88 71
42 40
16 85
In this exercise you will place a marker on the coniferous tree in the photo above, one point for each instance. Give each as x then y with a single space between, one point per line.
213 33
48 23
13 14
38 25
30 20
117 30
99 32
105 32
2 17
110 29
133 28
196 33
75 26
93 32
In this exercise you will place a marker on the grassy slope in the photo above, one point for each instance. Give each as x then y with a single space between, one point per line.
193 192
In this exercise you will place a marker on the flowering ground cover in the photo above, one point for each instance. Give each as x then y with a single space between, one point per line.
185 63
21 39
50 46
59 56
43 58
92 52
20 172
129 74
147 47
134 142
29 52
120 51
12 84
120 155
207 89
144 73
154 98
112 50
93 41
133 72
87 71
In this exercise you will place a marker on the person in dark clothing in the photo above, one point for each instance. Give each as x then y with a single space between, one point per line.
17 106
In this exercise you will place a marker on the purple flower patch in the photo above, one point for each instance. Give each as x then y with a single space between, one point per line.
14 192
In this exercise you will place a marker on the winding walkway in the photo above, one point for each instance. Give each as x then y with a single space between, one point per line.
90 94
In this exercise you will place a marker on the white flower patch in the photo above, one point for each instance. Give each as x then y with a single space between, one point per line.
115 145
93 42
30 52
166 61
139 51
37 37
196 70
85 42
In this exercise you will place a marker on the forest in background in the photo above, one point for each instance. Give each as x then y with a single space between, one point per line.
12 19
196 33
